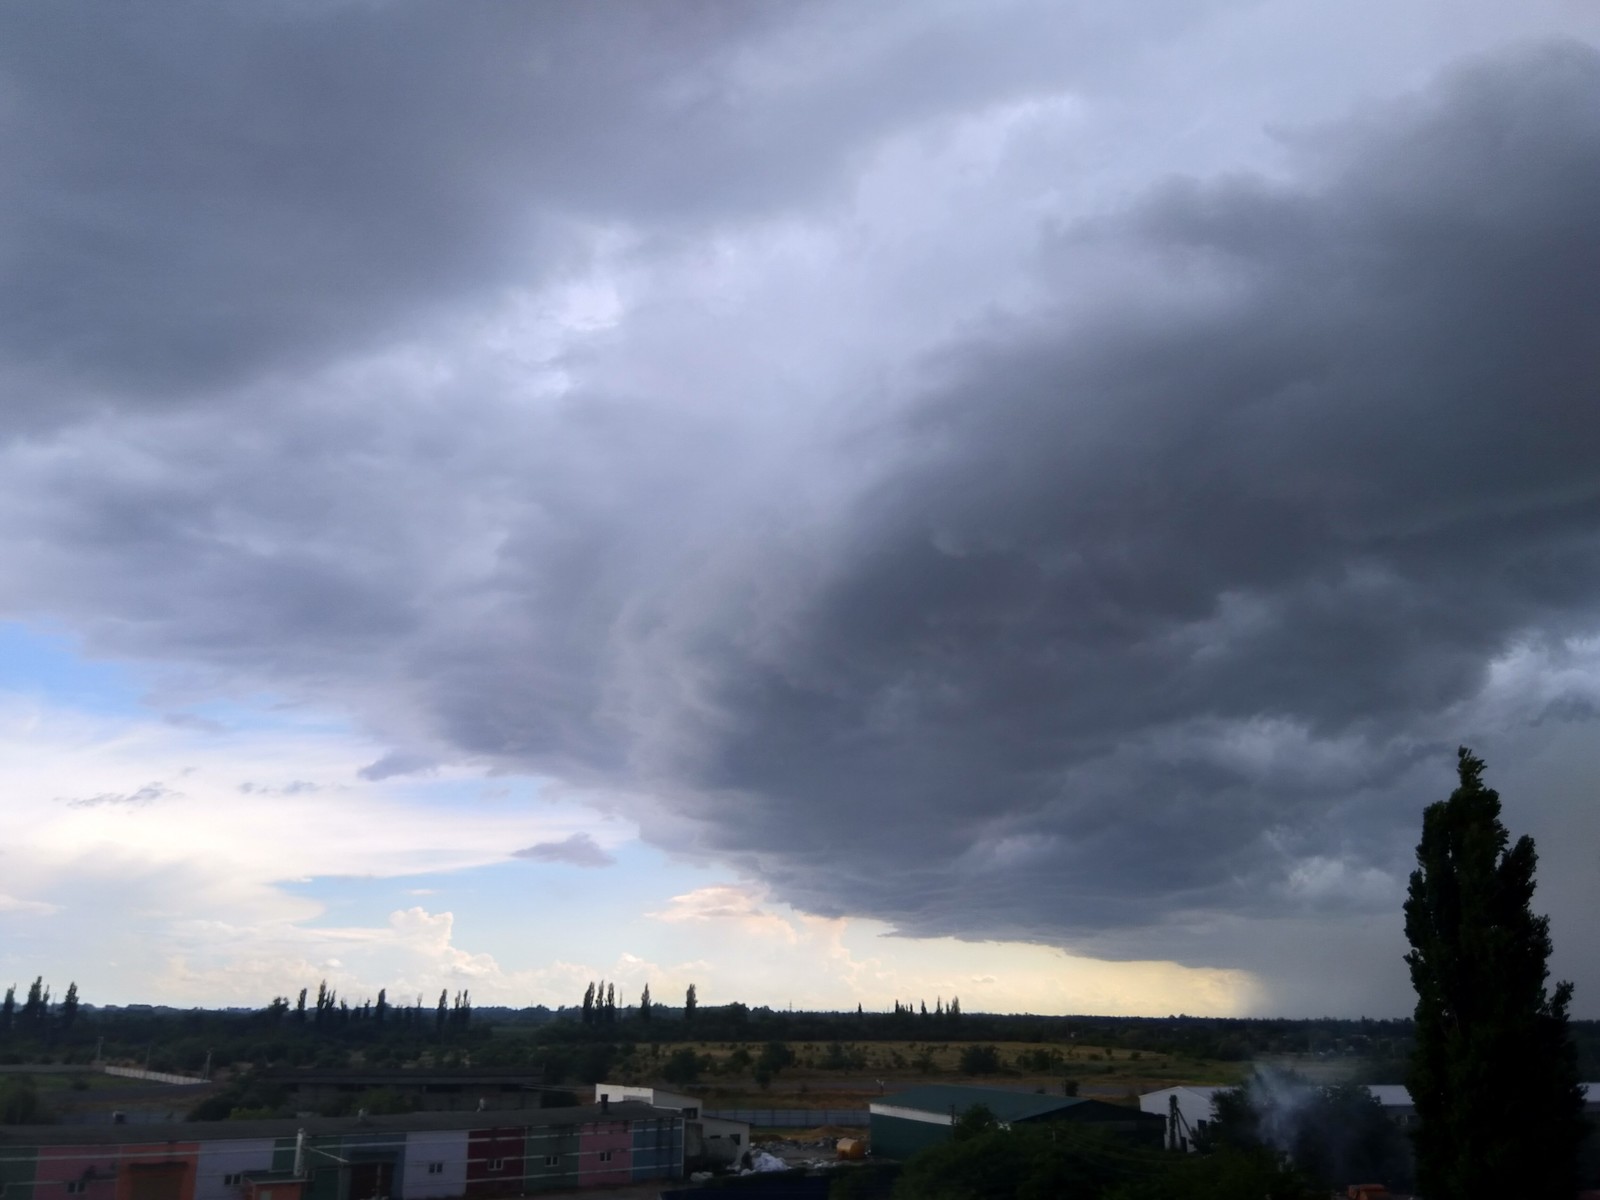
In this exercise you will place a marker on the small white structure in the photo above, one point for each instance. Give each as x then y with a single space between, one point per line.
689 1106
708 1139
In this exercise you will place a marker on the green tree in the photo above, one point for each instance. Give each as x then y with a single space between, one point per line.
775 1056
980 1060
1335 1134
37 1004
690 1002
19 1102
1494 1073
69 1007
682 1066
644 1004
978 1119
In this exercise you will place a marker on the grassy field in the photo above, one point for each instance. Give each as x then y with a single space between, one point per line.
58 1082
849 1074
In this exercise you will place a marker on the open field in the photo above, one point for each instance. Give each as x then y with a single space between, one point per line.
75 1079
849 1074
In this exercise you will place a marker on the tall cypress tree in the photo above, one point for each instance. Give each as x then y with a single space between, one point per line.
1494 1074
69 1007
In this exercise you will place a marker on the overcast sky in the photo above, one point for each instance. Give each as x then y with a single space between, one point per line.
828 501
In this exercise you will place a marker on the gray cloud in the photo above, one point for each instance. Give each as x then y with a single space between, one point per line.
295 787
397 762
578 850
1086 554
191 205
142 798
1161 593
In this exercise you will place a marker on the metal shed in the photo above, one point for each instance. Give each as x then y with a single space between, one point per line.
913 1120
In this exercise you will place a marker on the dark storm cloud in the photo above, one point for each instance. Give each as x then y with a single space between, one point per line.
188 203
1288 502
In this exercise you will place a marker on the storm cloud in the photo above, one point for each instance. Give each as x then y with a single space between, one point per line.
812 434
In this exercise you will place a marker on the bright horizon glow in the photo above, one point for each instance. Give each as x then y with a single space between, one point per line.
186 863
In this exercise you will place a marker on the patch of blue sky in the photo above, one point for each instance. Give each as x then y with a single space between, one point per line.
44 662
527 913
260 713
39 661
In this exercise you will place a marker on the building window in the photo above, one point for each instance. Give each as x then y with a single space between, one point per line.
236 1179
76 1187
436 1168
605 1156
691 1114
497 1164
552 1160
734 1138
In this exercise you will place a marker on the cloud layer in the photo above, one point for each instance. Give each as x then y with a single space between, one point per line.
879 451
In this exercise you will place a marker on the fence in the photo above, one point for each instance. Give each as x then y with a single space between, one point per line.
153 1076
793 1118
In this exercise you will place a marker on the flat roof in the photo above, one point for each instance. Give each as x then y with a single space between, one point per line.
1007 1106
421 1122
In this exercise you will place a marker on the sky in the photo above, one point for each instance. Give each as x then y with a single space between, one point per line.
828 502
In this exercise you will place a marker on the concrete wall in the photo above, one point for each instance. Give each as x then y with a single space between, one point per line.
218 1160
658 1149
448 1149
94 1167
605 1153
552 1157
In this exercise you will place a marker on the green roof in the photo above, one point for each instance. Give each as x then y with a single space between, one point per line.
1007 1106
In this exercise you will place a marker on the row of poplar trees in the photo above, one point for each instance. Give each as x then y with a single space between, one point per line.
36 1014
600 1004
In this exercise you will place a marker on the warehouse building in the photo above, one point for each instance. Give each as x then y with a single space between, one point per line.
412 1156
913 1120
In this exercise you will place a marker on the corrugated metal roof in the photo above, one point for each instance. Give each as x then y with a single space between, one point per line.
1007 1106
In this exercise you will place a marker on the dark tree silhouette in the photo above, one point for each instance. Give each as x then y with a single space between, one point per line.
1494 1074
69 1007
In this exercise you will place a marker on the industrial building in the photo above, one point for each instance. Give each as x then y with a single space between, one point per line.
913 1120
707 1141
414 1156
